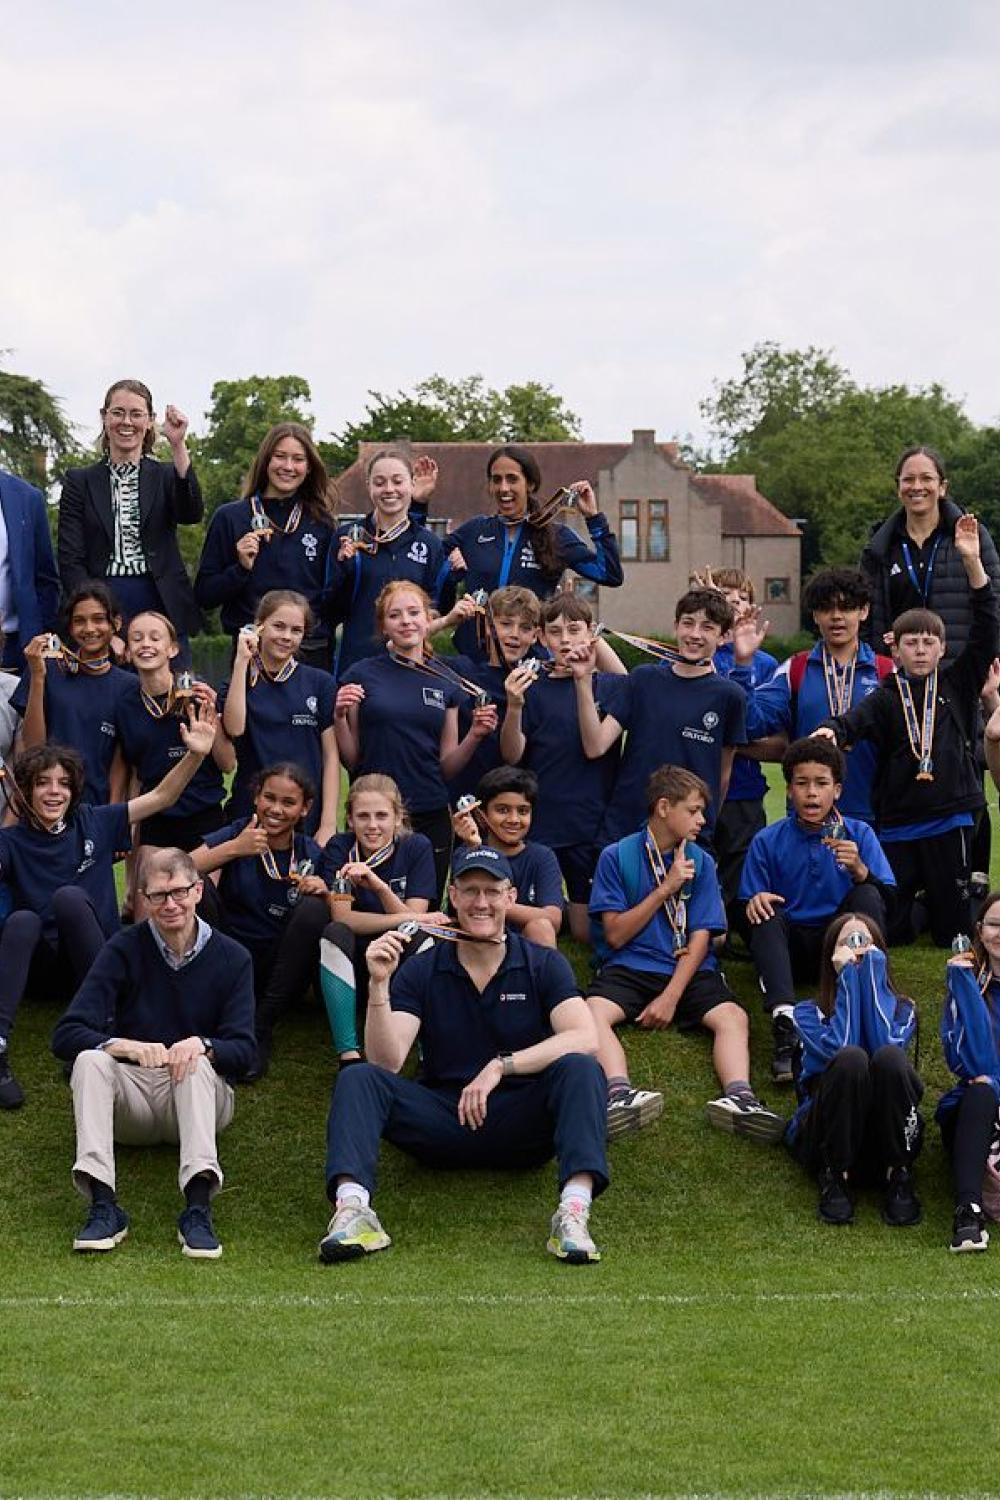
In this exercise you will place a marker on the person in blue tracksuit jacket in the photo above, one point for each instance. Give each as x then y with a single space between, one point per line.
857 1120
970 1039
490 552
277 536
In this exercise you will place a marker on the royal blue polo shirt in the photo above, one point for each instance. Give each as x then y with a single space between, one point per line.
285 721
651 950
671 720
794 862
461 1029
84 710
152 747
573 792
400 724
256 905
37 864
409 872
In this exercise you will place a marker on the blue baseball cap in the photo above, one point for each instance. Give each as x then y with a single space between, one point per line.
481 858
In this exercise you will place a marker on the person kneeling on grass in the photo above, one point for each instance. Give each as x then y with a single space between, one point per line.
163 1016
857 1121
657 901
508 1076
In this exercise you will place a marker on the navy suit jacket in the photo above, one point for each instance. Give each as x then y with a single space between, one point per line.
87 531
34 580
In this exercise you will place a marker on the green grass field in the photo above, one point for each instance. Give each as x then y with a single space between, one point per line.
727 1345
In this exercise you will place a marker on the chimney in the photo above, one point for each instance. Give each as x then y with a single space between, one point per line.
643 437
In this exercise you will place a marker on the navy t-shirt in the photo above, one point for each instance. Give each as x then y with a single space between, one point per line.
255 904
573 792
84 710
537 876
354 585
486 756
408 873
36 864
153 747
671 720
285 721
461 1029
400 724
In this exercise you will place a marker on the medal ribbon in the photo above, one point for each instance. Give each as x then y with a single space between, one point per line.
549 509
433 666
270 864
19 805
155 709
258 670
839 682
449 934
373 860
658 649
675 907
920 733
290 526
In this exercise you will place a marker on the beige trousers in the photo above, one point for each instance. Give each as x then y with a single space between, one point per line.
115 1101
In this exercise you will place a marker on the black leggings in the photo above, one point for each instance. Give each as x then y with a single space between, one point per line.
57 969
785 951
436 825
863 1117
967 1132
284 969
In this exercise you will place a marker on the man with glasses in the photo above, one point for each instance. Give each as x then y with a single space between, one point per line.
508 1077
164 1016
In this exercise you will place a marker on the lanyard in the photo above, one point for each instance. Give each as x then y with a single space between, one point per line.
839 682
675 907
923 588
263 525
512 540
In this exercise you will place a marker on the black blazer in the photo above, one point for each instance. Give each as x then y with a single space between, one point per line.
86 531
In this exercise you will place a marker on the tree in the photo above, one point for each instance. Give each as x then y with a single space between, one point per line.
34 434
974 475
241 414
822 448
451 411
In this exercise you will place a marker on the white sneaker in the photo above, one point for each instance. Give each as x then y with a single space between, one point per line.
630 1112
352 1232
745 1115
569 1236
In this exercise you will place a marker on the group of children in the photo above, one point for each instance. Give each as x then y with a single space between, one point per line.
616 787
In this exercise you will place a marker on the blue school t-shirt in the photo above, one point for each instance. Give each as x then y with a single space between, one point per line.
409 873
670 720
651 950
794 862
486 756
35 864
573 791
84 710
747 783
152 747
256 905
400 724
285 721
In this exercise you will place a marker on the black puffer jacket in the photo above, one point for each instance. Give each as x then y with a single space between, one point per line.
950 597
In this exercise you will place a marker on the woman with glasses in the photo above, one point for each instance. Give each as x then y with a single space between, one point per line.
118 519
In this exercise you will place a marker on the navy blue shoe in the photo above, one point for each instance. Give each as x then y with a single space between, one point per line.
11 1092
197 1237
106 1227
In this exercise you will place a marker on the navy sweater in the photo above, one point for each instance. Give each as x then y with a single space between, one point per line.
132 992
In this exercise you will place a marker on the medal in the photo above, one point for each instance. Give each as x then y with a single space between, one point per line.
447 934
295 872
563 499
262 525
834 829
361 539
365 542
674 906
920 733
839 682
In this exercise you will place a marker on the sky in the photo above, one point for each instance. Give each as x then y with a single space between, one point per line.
614 199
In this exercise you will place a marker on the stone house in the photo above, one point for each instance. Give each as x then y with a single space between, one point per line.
668 520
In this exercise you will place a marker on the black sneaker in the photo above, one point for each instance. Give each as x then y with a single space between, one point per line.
969 1231
11 1092
783 1032
902 1207
836 1205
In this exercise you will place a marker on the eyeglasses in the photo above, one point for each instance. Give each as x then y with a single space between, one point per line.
176 893
119 414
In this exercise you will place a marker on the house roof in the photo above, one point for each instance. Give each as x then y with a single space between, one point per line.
461 490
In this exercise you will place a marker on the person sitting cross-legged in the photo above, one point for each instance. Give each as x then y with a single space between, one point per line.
508 1078
164 1015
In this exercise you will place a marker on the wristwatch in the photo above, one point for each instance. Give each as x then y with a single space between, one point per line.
207 1044
506 1061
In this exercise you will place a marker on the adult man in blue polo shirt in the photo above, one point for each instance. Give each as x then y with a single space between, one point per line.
508 1074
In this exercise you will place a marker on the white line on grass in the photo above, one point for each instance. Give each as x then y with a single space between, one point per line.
280 1300
797 1494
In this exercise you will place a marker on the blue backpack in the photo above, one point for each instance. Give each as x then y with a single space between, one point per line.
630 852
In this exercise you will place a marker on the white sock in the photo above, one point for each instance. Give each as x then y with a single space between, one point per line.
577 1194
355 1191
782 1010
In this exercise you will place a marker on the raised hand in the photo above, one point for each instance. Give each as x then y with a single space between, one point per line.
967 537
425 477
252 839
174 426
